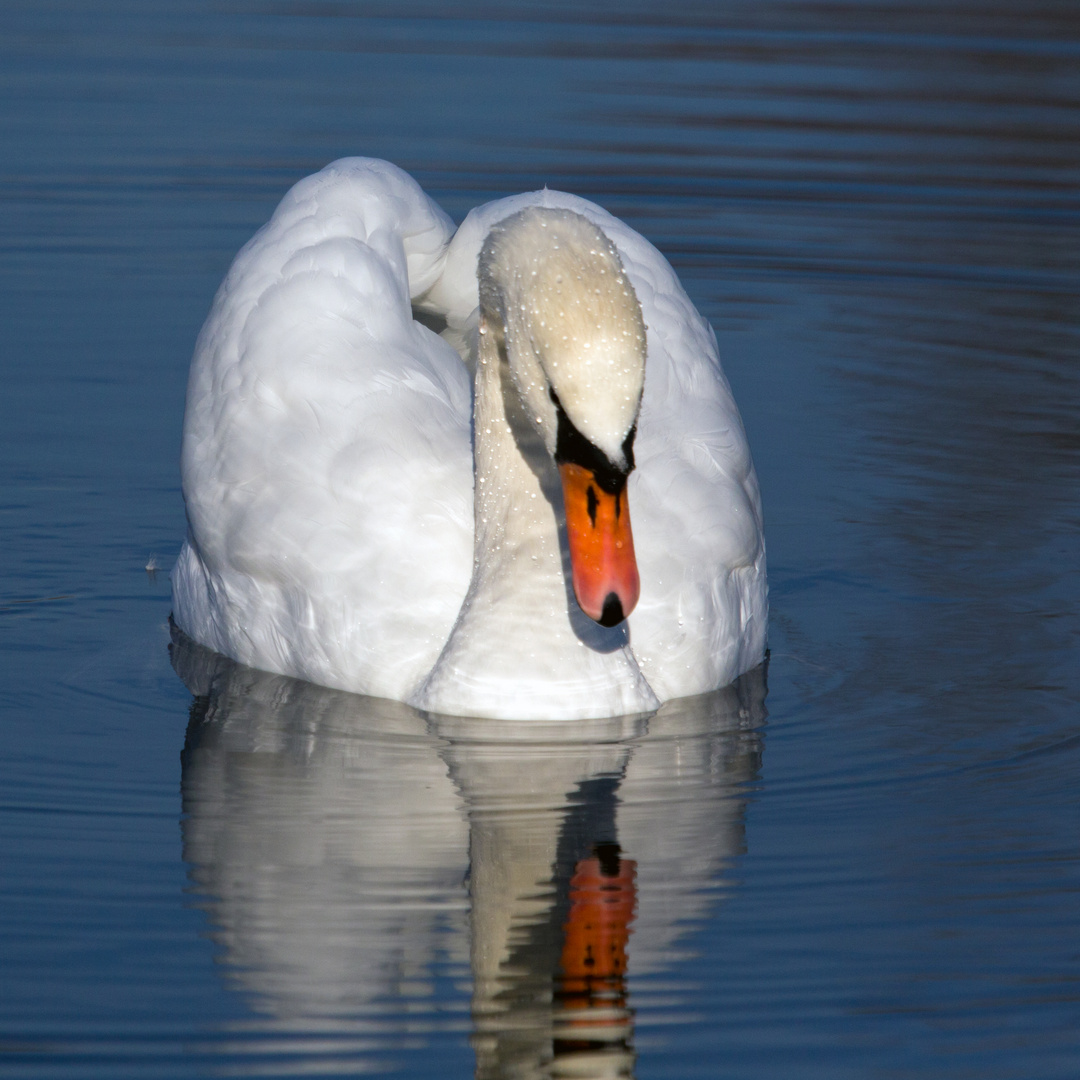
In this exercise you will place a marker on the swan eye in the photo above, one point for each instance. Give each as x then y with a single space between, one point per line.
572 446
628 448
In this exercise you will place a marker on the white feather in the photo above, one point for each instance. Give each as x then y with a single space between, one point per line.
328 470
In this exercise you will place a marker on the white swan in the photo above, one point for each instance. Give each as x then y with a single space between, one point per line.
329 466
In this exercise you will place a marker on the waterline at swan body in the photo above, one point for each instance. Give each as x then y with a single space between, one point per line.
365 514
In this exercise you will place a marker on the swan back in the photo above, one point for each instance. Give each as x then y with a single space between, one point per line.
327 464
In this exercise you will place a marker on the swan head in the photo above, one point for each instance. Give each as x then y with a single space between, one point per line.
553 284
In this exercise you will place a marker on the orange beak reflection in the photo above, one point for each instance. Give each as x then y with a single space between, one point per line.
606 581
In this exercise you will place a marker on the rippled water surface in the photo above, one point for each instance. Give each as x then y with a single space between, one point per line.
862 862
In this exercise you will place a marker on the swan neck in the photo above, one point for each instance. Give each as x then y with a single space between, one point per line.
517 495
521 646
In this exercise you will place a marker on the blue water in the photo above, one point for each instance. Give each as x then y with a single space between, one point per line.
862 862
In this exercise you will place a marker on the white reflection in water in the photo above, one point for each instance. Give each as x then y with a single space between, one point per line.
352 853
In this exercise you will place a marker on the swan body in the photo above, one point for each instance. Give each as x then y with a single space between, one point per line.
333 445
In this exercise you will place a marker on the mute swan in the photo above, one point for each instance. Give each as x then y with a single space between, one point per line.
329 464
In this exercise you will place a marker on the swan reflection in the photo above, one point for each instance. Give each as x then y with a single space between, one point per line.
353 854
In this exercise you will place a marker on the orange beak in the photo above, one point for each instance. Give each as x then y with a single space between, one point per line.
606 581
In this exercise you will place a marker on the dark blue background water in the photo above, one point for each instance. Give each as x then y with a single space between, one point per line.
876 205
